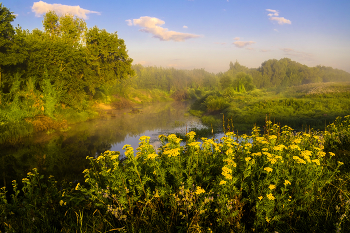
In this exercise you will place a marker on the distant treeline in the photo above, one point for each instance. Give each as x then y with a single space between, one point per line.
272 73
282 73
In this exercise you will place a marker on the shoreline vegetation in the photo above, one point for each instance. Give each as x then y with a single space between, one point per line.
277 180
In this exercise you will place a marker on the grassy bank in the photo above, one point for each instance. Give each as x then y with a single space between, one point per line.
311 105
276 181
22 118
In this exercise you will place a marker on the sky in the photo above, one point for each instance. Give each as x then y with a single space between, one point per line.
188 34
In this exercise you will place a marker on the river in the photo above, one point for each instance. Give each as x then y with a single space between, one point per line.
63 154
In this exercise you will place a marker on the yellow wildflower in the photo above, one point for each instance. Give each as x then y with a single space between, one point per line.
256 154
316 161
294 147
261 197
152 156
191 134
270 197
194 144
222 182
172 152
229 152
279 147
286 182
340 163
331 153
297 141
247 159
273 161
299 160
322 154
157 194
268 169
61 202
199 190
267 154
271 186
226 170
265 149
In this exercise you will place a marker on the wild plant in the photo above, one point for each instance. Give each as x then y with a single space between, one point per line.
278 180
269 179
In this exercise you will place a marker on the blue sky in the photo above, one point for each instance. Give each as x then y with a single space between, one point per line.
210 33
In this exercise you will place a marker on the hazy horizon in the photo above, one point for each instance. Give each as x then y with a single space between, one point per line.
209 34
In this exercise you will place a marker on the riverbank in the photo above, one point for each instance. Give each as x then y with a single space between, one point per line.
62 118
300 107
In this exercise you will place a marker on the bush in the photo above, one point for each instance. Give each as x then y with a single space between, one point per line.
214 103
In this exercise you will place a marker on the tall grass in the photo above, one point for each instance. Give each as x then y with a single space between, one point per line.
278 180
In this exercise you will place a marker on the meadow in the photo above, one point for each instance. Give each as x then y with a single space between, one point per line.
275 180
300 107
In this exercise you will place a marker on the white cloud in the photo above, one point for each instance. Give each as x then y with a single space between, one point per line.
129 22
275 30
185 26
236 38
280 20
273 12
241 44
40 8
152 25
249 48
15 15
265 50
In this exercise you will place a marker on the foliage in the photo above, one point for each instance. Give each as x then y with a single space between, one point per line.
309 105
214 103
172 80
278 181
285 72
243 82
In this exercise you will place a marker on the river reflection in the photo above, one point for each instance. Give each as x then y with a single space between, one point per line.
63 154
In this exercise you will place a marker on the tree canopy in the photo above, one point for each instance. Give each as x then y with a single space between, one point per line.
66 57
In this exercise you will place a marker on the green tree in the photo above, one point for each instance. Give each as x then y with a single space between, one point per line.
107 58
225 81
243 82
6 37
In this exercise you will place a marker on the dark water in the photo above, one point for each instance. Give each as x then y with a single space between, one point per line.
63 154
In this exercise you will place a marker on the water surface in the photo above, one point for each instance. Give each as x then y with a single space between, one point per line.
63 154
